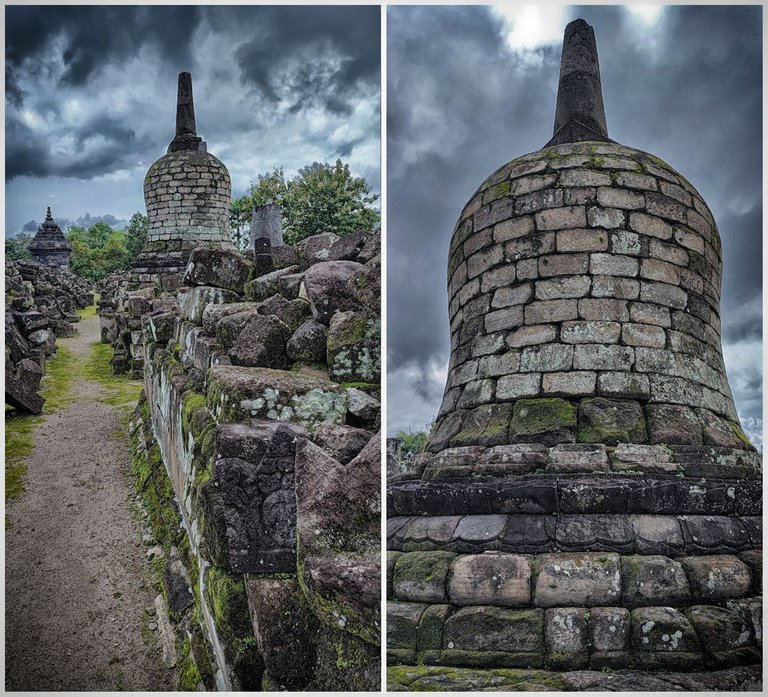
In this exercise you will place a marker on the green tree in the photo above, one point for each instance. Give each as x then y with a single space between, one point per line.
16 247
320 198
136 234
413 443
98 250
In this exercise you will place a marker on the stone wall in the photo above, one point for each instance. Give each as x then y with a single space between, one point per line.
257 457
586 271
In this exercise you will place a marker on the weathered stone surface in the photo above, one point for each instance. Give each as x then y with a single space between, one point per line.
487 425
490 579
220 268
653 580
261 342
609 628
566 638
215 312
662 637
402 626
548 421
193 302
329 289
343 443
421 577
726 638
315 249
354 347
308 344
716 578
267 284
363 410
611 421
583 579
673 424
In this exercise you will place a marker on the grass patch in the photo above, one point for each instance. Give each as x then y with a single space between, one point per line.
122 391
88 313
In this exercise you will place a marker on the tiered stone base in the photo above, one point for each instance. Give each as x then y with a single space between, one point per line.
575 558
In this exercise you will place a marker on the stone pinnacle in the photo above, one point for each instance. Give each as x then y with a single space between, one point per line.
186 130
580 114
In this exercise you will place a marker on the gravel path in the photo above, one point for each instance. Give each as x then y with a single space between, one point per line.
77 580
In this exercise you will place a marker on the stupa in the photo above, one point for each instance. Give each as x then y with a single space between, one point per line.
588 500
49 246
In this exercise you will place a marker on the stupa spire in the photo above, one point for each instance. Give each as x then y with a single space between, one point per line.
580 113
186 130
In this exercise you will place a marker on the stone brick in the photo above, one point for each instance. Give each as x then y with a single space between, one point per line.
643 335
700 224
503 364
611 421
609 628
657 270
618 287
657 534
594 332
603 309
566 638
689 239
569 384
517 386
486 425
547 420
585 579
584 177
663 294
563 287
493 213
475 393
725 636
512 229
507 318
527 269
538 200
622 384
613 265
663 638
620 198
532 334
543 311
635 181
605 217
561 218
579 240
546 357
676 192
491 579
563 264
512 295
599 357
579 196
420 577
650 225
402 624
653 580
498 277
646 313
647 458
665 207
525 185
673 424
717 578
671 253
625 242
531 246
751 610
484 260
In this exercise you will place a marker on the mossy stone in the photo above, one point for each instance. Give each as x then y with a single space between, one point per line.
611 421
421 576
548 420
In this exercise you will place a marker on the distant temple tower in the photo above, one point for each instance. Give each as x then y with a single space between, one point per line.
49 246
588 499
187 193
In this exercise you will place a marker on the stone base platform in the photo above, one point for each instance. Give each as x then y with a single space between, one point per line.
432 678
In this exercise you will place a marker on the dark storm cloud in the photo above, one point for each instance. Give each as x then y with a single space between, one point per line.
461 103
318 55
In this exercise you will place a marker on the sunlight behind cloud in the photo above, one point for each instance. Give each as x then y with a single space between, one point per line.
648 14
532 25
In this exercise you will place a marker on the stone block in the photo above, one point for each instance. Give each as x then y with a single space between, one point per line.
193 302
645 458
512 295
517 386
585 579
561 218
604 309
548 421
725 636
673 424
564 287
713 534
620 198
609 628
584 177
650 225
528 203
221 268
420 577
546 357
653 580
330 288
261 342
717 578
531 335
611 421
499 277
619 287
402 625
475 393
529 534
663 294
631 180
543 311
597 532
490 579
663 638
643 335
581 240
600 357
751 610
569 384
625 242
605 217
506 318
566 638
595 332
529 247
512 229
486 425
480 530
563 265
495 629
430 632
753 558
354 347
689 239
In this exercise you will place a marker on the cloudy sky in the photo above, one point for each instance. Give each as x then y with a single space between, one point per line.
91 97
470 88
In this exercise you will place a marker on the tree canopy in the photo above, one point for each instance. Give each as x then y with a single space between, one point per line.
320 198
16 247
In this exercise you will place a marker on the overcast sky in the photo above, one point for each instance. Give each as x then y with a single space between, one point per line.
91 97
470 88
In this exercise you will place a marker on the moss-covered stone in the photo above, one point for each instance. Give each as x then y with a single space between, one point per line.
421 577
611 421
548 420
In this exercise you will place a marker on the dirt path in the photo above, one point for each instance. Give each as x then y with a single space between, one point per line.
77 580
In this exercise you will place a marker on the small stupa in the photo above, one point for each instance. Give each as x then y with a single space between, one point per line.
49 246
